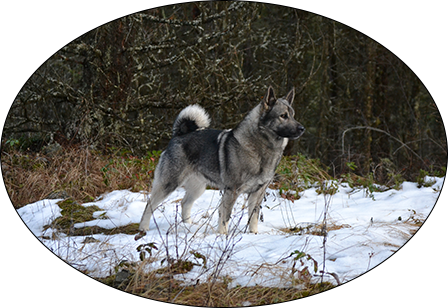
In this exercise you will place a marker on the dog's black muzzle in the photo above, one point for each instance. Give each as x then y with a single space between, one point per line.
298 132
290 131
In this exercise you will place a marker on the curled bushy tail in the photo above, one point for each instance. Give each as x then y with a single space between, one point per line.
191 118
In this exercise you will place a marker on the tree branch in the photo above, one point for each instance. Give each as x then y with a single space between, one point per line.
380 131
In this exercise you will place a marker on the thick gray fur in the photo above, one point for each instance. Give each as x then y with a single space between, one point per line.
236 161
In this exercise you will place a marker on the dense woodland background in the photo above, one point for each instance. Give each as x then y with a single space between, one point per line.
121 86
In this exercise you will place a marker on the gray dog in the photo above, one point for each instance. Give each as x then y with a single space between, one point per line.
236 161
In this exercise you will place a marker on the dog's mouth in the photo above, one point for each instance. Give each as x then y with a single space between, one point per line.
296 135
290 132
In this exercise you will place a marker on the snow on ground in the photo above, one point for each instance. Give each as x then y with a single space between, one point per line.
363 230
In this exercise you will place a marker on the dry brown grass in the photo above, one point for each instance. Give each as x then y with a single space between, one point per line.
75 172
26 287
79 175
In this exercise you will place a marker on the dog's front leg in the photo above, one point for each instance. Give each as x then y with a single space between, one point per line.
225 210
254 201
159 193
144 222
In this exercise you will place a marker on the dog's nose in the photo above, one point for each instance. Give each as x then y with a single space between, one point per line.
298 132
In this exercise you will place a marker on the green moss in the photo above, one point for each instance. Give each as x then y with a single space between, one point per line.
422 180
295 174
72 213
130 229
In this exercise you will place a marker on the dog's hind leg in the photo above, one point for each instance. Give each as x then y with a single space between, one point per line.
194 189
254 202
225 210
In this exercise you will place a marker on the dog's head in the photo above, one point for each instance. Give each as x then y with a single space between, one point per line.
278 115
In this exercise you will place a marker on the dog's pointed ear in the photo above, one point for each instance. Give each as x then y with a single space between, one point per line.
269 99
290 96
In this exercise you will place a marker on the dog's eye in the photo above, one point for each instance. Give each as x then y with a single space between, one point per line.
284 116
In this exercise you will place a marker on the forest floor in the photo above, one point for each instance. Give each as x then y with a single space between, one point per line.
322 234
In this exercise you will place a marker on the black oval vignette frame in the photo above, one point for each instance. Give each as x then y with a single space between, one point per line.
198 1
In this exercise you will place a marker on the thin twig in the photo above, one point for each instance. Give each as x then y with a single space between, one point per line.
380 131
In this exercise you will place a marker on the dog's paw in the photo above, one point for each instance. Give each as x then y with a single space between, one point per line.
187 221
139 235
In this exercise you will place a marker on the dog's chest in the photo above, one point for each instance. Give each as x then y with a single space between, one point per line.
260 171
